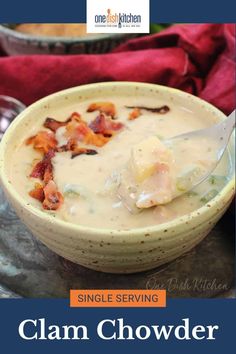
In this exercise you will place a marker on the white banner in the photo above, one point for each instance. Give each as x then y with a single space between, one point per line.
118 16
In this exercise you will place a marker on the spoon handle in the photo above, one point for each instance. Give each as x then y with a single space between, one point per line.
222 132
228 125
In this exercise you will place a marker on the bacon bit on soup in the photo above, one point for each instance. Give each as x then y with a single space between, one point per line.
49 196
37 192
98 133
80 151
75 130
105 125
107 108
48 174
54 124
135 113
83 133
95 139
43 168
53 198
43 141
160 110
70 146
76 150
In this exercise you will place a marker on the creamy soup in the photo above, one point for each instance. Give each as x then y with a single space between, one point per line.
53 29
87 177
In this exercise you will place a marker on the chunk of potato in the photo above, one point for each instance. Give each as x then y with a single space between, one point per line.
146 156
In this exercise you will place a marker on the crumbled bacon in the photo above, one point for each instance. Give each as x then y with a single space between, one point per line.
48 174
95 139
104 125
81 151
54 124
70 146
49 196
107 108
135 113
37 192
77 130
43 141
161 110
38 170
53 198
43 169
82 132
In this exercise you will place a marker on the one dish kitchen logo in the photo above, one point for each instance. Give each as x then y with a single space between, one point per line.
117 19
118 16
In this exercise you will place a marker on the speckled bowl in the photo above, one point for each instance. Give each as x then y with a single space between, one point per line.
17 43
105 249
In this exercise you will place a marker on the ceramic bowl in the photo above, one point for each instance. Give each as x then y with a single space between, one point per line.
105 249
17 43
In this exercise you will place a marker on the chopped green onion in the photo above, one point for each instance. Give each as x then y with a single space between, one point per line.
187 179
212 180
216 179
180 186
71 193
75 190
208 196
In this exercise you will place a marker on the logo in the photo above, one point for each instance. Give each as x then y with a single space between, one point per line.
112 16
118 20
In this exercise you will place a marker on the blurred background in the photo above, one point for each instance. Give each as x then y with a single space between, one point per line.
39 59
60 38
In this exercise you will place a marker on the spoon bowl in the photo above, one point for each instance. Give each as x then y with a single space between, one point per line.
201 160
194 156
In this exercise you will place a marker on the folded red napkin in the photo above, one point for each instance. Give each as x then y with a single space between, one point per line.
195 58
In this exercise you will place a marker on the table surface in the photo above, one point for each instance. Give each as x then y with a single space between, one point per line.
29 269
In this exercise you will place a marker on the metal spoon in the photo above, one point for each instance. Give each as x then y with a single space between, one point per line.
195 154
9 109
205 160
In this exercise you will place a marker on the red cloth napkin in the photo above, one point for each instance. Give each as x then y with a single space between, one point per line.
195 58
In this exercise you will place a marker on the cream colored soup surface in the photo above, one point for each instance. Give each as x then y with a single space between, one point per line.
97 205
